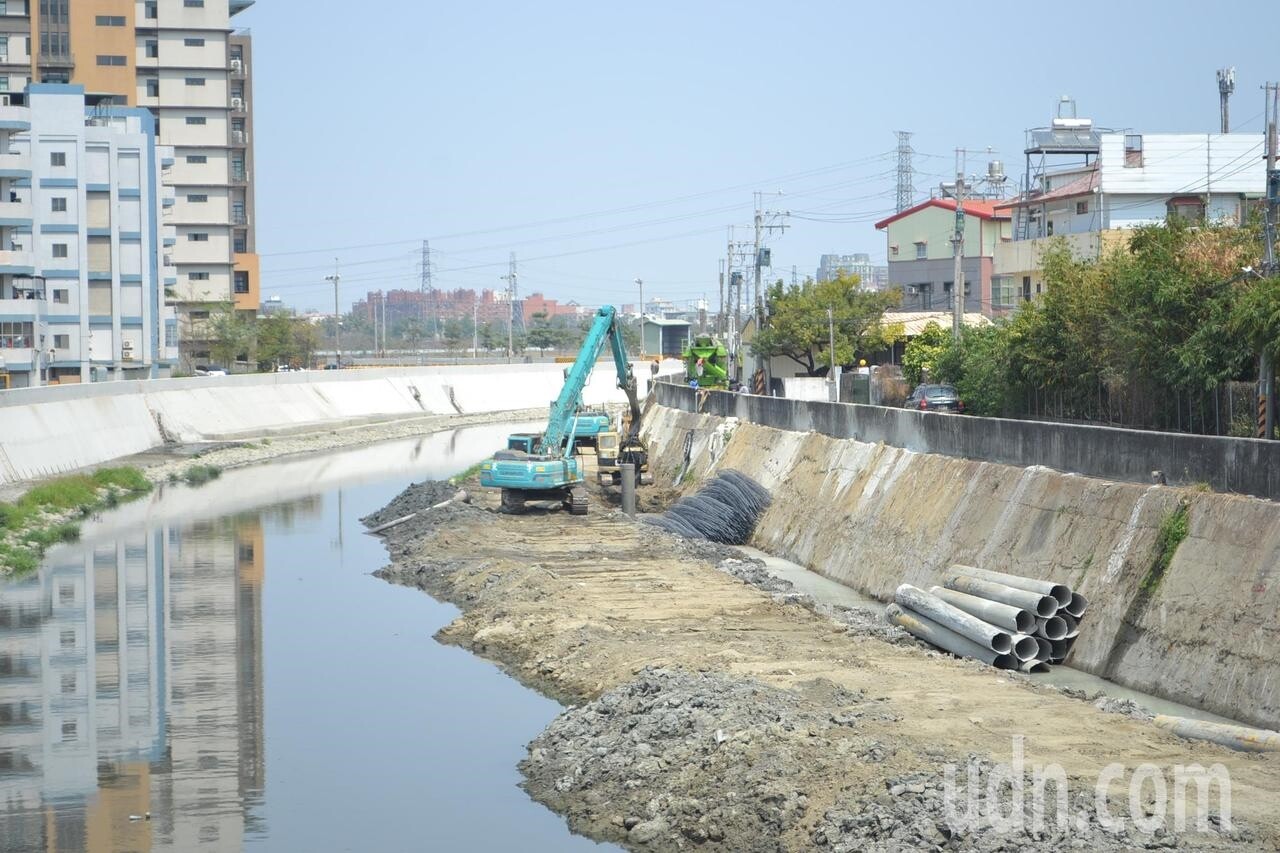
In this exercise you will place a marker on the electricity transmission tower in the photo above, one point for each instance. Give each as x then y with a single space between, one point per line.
906 189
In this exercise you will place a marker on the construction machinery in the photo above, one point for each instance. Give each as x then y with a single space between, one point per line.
706 362
542 466
588 426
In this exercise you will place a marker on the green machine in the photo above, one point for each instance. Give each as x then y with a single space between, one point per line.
706 362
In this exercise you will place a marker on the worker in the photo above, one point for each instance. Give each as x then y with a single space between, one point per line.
653 367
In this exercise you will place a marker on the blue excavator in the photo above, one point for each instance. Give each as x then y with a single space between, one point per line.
542 466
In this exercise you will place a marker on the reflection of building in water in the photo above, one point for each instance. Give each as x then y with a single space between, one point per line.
131 682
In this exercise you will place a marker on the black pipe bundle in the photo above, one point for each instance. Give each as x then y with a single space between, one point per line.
724 510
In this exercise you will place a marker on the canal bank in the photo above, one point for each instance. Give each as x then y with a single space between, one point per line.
716 708
217 663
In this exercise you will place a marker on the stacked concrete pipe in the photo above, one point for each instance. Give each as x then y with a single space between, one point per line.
1004 620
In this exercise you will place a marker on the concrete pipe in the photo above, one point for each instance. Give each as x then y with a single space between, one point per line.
1061 648
1044 648
1001 615
627 471
924 628
1073 624
1025 647
1078 605
1034 666
1040 604
1057 590
1053 628
953 618
1242 738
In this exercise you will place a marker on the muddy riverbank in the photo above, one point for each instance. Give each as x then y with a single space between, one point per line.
712 713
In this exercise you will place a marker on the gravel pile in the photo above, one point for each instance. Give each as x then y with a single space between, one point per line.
676 759
417 497
913 813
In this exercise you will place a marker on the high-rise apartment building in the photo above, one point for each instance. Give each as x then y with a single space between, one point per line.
182 60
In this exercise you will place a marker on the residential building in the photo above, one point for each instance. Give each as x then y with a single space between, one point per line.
922 255
181 60
871 276
81 268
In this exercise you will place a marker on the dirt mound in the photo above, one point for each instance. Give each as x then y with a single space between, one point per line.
417 497
674 759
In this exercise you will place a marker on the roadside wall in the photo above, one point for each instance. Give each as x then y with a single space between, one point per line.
1242 465
51 430
872 516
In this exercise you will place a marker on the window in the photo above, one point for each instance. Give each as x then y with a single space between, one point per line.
197 198
1026 288
60 295
153 87
68 730
59 204
196 120
200 315
195 81
57 158
1188 208
1002 291
1049 228
111 60
4 48
15 335
198 276
110 20
241 281
240 243
62 342
153 49
193 4
193 42
198 237
149 11
4 79
1082 207
59 250
197 158
67 639
1132 150
922 250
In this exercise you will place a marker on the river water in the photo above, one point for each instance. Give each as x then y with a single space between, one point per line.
215 668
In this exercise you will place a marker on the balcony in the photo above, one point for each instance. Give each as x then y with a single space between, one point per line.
17 263
15 118
237 68
15 213
57 60
239 217
237 104
15 165
239 137
170 235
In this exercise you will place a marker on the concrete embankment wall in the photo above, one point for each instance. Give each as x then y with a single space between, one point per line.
1243 465
51 430
872 516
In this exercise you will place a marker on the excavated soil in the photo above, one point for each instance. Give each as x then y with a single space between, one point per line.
712 707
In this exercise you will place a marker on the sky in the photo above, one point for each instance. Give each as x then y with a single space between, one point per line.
604 142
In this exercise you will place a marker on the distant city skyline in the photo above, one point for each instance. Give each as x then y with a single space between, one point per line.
602 145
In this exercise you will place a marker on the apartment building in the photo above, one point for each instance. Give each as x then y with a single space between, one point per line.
182 60
870 276
81 267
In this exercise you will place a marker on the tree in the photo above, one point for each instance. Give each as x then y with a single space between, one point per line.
542 335
231 335
797 327
922 352
413 332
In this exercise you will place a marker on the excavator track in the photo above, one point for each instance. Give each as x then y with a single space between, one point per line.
577 501
512 501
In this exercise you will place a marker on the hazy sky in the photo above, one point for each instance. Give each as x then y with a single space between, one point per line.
604 141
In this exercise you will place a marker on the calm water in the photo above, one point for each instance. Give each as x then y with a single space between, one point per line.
221 658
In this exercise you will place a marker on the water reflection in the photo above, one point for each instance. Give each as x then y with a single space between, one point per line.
131 683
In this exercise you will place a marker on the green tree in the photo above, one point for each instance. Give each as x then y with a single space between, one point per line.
412 331
922 352
798 329
276 344
542 334
231 335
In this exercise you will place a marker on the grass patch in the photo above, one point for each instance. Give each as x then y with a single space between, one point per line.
26 524
469 474
198 475
1173 529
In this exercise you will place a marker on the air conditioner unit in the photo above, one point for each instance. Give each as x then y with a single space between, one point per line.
126 350
236 65
237 103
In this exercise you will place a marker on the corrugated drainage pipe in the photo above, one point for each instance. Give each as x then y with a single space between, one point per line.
953 618
1001 615
931 632
1040 604
1057 590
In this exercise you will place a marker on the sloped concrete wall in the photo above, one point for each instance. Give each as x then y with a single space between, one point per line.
45 431
872 516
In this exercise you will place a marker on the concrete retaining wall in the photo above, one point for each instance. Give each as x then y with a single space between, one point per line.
45 431
1242 465
872 516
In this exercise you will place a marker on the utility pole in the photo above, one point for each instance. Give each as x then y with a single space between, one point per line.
373 306
957 278
1226 85
761 260
510 278
720 313
1266 370
337 340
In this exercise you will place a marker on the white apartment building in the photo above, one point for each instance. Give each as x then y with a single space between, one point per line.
81 264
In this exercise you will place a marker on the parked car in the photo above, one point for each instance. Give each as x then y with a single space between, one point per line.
935 398
210 370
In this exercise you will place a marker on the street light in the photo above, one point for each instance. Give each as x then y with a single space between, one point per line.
337 340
